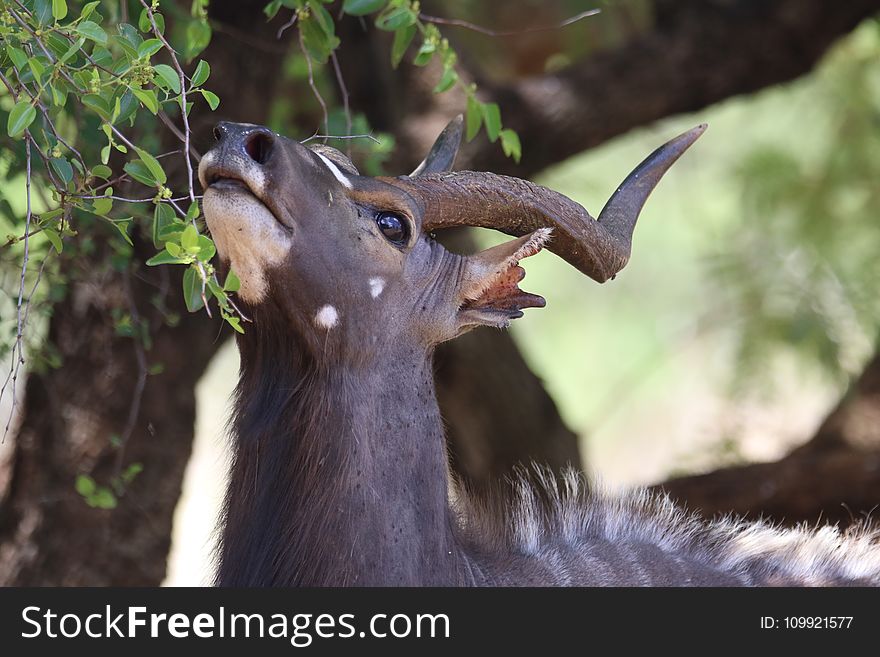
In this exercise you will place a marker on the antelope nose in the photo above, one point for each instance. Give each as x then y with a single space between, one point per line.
254 141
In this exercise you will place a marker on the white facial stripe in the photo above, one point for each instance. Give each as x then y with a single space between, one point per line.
327 317
376 286
335 171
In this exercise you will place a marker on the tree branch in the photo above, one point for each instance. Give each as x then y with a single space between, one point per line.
697 53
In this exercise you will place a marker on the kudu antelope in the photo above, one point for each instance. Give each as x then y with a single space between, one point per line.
340 474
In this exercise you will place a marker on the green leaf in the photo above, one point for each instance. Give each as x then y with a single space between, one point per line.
168 76
144 21
54 238
163 216
131 472
148 98
92 31
101 171
19 59
59 9
217 291
72 50
362 7
233 283
149 48
85 485
449 78
190 237
89 9
165 258
37 68
122 226
212 99
393 18
59 98
192 290
491 119
103 205
272 8
62 167
207 250
425 53
322 16
139 171
201 74
192 211
510 144
402 38
473 118
42 10
98 105
153 165
198 36
234 322
318 43
21 116
102 499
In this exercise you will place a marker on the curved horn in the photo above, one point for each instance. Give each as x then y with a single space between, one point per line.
442 154
599 249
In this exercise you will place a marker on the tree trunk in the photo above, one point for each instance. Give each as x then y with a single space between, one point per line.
835 477
48 534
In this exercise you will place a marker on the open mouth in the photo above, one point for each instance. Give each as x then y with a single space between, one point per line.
219 181
225 180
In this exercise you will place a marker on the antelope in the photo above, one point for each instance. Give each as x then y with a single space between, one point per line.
339 473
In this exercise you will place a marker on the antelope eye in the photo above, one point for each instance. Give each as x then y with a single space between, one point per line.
393 227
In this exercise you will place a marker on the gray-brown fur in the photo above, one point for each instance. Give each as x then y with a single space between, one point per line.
340 473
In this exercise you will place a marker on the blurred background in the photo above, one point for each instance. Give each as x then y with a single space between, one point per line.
732 363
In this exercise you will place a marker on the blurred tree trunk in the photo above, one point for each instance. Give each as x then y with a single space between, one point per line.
48 535
835 476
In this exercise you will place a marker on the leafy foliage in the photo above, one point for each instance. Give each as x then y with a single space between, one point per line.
800 272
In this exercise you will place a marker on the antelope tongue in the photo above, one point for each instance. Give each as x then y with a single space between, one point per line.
493 276
504 295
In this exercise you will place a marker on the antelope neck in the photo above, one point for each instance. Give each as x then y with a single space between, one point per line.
339 474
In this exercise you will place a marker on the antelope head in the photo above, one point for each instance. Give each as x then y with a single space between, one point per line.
349 263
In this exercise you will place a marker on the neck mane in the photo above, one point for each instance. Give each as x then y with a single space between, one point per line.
339 475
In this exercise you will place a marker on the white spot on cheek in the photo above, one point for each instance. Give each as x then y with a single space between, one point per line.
327 317
335 171
376 286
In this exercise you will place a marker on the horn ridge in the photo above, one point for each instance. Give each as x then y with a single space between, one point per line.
598 248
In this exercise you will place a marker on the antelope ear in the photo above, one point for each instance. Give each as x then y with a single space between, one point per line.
489 293
441 157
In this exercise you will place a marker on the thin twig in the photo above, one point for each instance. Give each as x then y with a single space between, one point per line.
183 116
89 197
141 382
45 112
177 133
457 22
287 25
302 47
17 348
344 91
320 136
201 267
248 40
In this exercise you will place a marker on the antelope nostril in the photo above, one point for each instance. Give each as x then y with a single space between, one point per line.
258 146
218 132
